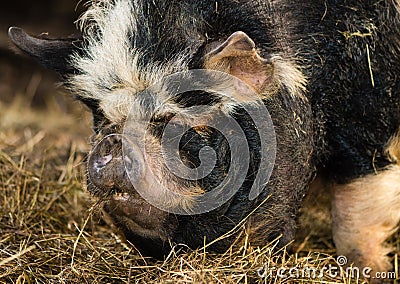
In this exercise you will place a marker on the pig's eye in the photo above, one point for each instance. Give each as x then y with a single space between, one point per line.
196 139
195 98
158 124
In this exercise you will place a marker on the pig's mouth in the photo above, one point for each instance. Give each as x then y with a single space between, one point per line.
108 180
121 197
141 217
132 207
132 213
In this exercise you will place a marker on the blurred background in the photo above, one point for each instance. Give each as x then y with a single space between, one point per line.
36 112
19 74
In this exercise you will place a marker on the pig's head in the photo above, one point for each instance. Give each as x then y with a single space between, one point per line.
168 161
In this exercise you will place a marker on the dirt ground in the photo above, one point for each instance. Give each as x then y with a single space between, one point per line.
50 230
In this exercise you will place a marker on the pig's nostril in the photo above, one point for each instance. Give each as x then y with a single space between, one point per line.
133 161
101 162
128 163
133 167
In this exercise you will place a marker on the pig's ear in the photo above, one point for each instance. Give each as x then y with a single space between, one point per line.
239 57
51 53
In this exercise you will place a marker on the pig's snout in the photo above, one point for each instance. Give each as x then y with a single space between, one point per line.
112 170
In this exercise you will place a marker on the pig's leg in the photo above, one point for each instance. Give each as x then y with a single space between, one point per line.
365 213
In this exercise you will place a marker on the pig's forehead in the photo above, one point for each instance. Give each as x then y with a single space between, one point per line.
121 88
122 57
112 69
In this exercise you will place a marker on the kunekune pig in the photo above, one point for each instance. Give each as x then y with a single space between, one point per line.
327 71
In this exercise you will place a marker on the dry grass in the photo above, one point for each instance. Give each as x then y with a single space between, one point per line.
49 234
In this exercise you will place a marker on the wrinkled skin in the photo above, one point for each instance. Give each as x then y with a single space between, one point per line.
336 125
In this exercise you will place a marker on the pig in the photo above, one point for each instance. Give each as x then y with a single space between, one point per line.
328 74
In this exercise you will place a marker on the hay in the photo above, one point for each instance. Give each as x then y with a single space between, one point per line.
50 233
